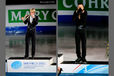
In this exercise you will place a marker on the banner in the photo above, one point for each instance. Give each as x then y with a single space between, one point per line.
44 15
90 5
94 7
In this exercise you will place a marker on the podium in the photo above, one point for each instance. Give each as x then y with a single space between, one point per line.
38 64
95 68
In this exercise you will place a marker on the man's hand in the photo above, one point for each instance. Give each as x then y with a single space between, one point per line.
22 18
83 11
79 17
33 16
79 14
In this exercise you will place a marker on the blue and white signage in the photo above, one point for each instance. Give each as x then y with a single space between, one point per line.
30 66
85 68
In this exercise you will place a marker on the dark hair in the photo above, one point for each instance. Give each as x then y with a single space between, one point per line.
80 3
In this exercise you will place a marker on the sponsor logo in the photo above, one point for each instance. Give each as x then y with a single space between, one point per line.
44 15
90 5
16 65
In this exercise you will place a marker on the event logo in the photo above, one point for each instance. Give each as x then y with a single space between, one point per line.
91 69
44 15
90 5
16 65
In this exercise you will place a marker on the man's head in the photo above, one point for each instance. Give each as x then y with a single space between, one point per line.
32 11
80 5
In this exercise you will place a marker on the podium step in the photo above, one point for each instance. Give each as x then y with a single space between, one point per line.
20 64
88 62
60 58
92 67
35 58
71 68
